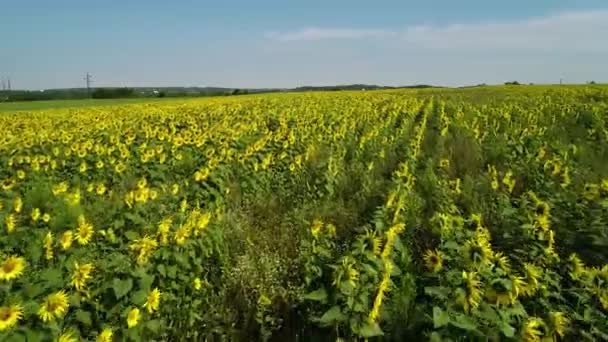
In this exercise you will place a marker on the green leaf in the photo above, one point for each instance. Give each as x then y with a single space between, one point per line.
161 269
436 291
33 336
507 329
131 235
153 325
83 317
464 322
319 295
17 337
121 287
52 278
370 329
440 317
172 271
332 315
139 297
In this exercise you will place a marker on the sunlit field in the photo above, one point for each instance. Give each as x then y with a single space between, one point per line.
396 215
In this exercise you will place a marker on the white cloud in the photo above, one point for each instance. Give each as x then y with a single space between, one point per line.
569 31
314 33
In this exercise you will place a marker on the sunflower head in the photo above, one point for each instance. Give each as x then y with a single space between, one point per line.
105 335
534 330
474 222
531 278
133 317
11 267
316 227
470 291
81 274
68 336
54 306
10 316
66 239
433 260
541 208
153 300
478 252
591 192
502 261
558 323
576 266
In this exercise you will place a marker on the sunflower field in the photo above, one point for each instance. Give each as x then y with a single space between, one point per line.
442 215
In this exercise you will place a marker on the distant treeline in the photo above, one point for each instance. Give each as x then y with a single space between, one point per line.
110 93
135 92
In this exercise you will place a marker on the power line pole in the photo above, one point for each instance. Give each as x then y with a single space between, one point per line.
88 78
3 85
9 83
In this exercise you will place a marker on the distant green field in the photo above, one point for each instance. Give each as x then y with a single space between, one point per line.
53 104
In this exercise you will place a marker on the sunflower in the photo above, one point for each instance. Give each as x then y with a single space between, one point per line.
54 306
48 246
330 228
444 163
197 283
565 178
119 168
105 335
17 204
591 192
577 267
144 248
81 274
68 336
163 229
46 217
66 239
474 222
141 183
543 223
10 222
541 208
500 292
182 233
478 252
455 186
85 231
502 261
517 285
376 245
153 301
35 214
11 267
470 292
174 189
133 317
559 323
603 192
508 181
534 330
10 315
100 189
433 260
532 275
60 188
315 229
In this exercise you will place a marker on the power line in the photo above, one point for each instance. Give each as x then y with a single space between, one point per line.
89 79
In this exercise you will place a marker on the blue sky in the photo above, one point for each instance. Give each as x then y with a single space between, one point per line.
244 43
